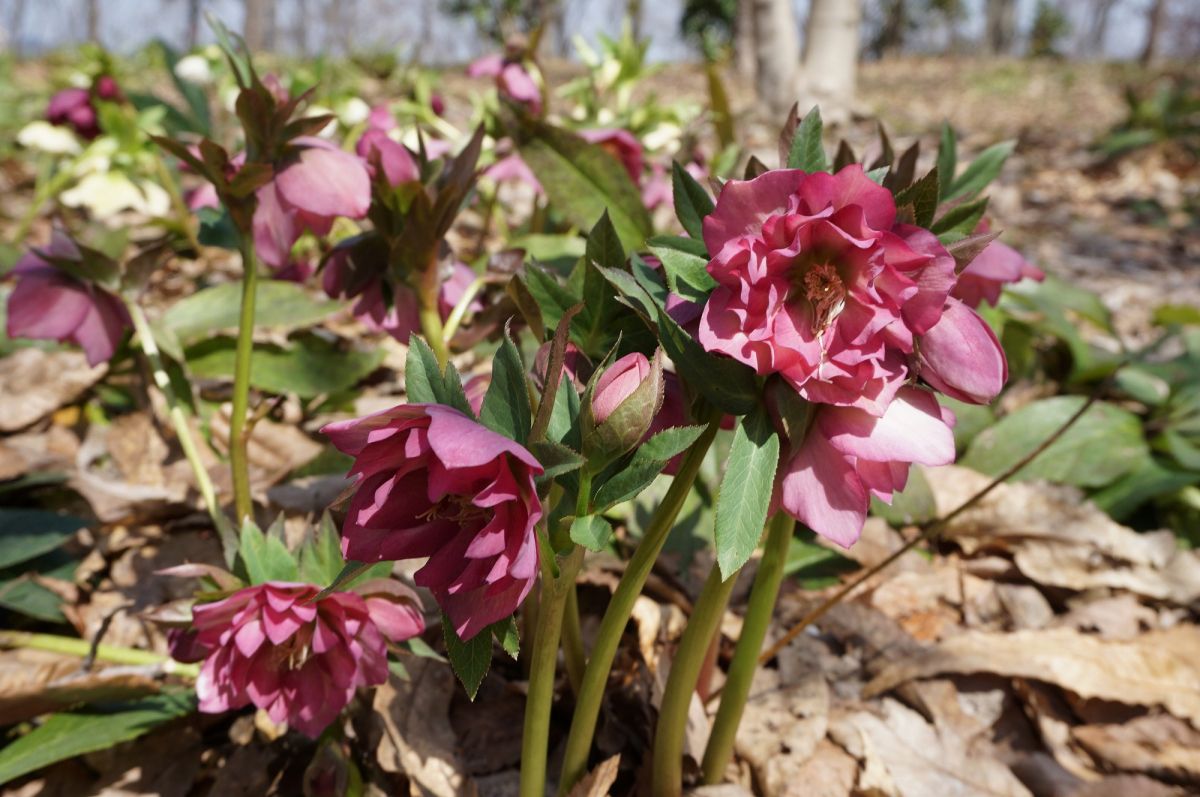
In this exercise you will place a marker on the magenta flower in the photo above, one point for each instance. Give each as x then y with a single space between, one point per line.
50 304
513 80
398 165
959 356
73 108
321 184
815 282
298 659
513 167
849 455
434 483
993 268
622 145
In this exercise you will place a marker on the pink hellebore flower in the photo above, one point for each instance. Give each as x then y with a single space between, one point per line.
993 268
398 165
49 304
512 80
73 108
617 383
849 455
434 483
622 145
514 167
298 659
322 184
657 191
817 283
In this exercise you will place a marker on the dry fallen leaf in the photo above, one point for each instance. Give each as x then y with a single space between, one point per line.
782 726
1161 668
597 782
1158 745
35 383
904 756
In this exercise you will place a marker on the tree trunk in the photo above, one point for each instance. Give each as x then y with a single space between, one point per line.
831 56
193 23
744 56
633 10
93 21
777 53
257 27
1001 26
893 30
1098 30
1156 15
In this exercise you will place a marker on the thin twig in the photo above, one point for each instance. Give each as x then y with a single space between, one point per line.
934 527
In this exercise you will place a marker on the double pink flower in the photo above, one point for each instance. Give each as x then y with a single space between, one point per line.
296 658
816 282
434 483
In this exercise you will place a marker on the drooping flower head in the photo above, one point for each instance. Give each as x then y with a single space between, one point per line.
993 268
297 658
434 483
816 282
50 304
513 78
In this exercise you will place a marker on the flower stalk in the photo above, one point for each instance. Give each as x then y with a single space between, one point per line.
239 429
69 646
612 626
745 656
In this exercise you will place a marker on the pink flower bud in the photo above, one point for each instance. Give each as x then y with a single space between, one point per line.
618 383
621 405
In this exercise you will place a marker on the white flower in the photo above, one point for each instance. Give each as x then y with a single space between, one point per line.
46 137
664 137
353 111
194 69
107 194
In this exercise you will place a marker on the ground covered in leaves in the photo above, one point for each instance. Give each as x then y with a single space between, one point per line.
1036 648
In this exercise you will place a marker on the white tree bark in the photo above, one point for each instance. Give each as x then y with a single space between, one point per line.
1001 25
777 54
831 57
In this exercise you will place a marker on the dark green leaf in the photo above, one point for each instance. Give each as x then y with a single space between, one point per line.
422 376
85 730
470 659
280 305
591 531
309 366
726 383
508 635
745 491
1149 479
686 272
1102 446
923 196
29 533
265 557
647 462
321 557
981 172
506 405
947 160
556 458
692 202
807 152
961 220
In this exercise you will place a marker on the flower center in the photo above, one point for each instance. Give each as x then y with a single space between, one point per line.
826 292
457 509
293 652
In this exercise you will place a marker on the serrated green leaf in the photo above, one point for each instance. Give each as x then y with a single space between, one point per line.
321 557
308 366
424 382
591 531
1102 446
692 202
647 462
85 730
807 152
506 405
961 220
508 635
686 271
471 659
923 196
280 305
264 557
745 493
28 533
985 168
556 458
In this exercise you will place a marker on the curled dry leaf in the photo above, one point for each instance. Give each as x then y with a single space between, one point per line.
782 727
597 782
34 383
1160 668
902 755
1059 540
1158 745
417 739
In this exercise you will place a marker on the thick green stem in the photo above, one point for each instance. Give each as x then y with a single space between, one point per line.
175 410
239 433
535 741
612 626
667 777
745 656
572 641
69 646
430 316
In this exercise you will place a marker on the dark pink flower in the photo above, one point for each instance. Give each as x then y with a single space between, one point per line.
622 145
993 268
514 167
849 455
296 658
50 304
380 118
73 108
437 104
512 80
321 184
817 283
106 88
398 165
434 483
958 356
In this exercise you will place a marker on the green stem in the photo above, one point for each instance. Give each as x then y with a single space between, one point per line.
667 777
175 410
745 656
572 641
239 433
429 314
46 189
535 741
454 320
69 646
612 626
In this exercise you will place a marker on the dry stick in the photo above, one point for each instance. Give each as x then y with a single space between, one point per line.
933 527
